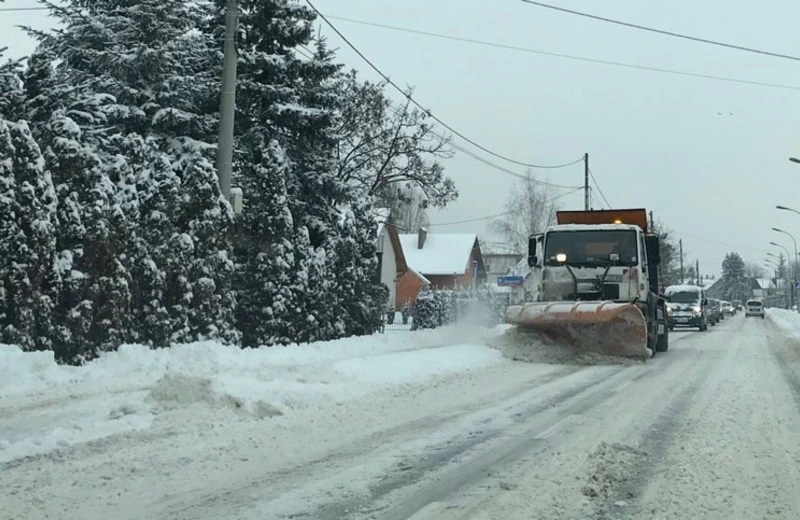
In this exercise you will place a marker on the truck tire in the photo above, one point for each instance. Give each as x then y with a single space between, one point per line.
663 342
703 325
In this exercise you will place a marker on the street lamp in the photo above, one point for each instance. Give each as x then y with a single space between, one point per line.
794 274
784 208
794 160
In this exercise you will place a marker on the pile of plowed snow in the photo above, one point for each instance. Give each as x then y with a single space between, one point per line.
534 348
47 406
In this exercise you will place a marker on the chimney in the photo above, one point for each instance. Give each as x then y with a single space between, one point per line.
422 234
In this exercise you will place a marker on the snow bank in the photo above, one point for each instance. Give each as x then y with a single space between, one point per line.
786 320
51 406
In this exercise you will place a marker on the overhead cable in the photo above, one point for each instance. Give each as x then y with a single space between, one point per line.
418 105
569 56
663 32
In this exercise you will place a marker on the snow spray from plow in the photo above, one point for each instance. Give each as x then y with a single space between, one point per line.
609 328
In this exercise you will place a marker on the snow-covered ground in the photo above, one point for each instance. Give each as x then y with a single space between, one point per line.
427 425
58 406
786 320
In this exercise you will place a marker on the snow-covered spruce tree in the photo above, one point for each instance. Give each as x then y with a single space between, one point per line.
156 80
271 280
281 97
208 219
12 239
11 96
159 72
77 177
355 268
30 279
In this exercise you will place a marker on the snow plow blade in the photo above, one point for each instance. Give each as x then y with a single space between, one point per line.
609 328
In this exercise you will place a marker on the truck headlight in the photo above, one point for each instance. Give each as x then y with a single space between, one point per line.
697 310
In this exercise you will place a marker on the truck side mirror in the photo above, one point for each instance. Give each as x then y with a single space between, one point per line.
705 301
533 259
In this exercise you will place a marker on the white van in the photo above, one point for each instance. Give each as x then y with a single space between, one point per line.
754 308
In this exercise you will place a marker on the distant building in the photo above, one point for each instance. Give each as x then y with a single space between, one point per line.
443 261
500 263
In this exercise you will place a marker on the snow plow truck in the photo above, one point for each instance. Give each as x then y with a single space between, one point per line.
594 285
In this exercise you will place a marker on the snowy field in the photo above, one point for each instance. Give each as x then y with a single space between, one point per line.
439 424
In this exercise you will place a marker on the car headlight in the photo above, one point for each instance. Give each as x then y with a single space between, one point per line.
696 310
669 310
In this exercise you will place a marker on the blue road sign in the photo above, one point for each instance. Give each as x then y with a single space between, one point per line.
509 280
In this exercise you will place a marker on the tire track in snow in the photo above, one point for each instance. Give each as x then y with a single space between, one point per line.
621 498
449 475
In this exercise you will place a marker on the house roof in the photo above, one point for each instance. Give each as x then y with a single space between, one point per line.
442 254
765 283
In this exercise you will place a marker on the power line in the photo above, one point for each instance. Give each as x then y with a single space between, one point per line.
412 100
511 172
662 32
720 242
598 188
568 56
488 217
399 111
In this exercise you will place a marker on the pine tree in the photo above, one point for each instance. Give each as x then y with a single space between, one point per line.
209 221
11 237
32 282
145 56
11 96
271 280
355 268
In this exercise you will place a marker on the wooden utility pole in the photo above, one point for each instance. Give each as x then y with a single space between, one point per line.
585 181
680 244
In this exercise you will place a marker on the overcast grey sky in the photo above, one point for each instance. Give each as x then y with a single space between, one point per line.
655 140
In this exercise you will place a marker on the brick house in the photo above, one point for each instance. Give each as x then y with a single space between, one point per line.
443 261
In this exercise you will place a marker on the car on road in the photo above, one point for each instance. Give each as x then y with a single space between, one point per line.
754 308
687 306
727 308
737 304
716 311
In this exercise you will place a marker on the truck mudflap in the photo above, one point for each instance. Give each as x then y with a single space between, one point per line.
609 328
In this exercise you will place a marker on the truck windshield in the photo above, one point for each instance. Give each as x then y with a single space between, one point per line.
683 297
591 248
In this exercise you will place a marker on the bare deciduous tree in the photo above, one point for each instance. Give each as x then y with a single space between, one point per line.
754 270
381 146
408 205
530 208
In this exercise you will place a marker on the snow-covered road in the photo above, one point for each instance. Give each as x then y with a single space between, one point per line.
443 427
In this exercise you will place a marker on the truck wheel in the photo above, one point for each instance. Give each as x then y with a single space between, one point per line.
703 325
663 342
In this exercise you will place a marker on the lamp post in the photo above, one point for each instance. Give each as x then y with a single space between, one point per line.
794 160
794 278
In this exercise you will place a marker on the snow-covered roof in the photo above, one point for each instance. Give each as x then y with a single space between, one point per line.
422 278
594 227
442 254
682 288
765 283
